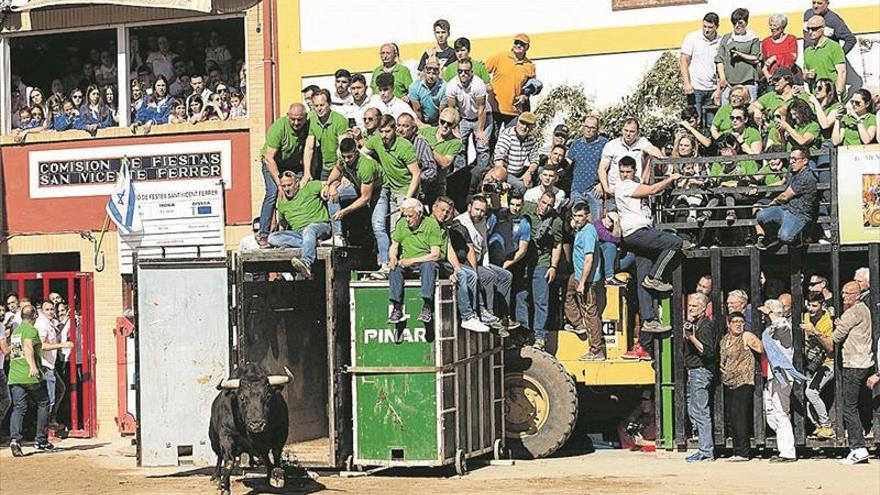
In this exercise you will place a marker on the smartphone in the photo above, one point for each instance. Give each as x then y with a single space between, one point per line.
352 123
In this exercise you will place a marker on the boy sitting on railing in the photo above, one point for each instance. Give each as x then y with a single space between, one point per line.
692 200
731 174
773 173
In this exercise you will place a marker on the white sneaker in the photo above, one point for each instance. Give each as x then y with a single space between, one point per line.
855 456
473 324
381 273
336 241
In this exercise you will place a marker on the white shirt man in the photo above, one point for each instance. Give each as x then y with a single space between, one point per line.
48 331
634 212
468 97
630 143
698 52
161 61
394 107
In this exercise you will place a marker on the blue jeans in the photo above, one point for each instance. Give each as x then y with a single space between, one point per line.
789 224
5 399
587 197
38 393
269 200
468 128
347 194
380 224
495 279
540 292
306 238
752 89
610 263
516 183
649 241
698 385
701 99
427 275
55 388
467 292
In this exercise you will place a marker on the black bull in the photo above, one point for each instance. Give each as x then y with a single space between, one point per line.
249 415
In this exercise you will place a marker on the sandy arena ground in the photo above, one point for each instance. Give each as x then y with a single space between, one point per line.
101 468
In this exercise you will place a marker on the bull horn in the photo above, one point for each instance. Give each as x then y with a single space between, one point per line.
276 380
230 384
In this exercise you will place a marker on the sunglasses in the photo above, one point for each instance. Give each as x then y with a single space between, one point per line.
446 123
464 71
432 70
520 43
222 90
76 97
815 28
737 117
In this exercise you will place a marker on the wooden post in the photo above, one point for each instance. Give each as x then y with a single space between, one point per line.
760 424
681 429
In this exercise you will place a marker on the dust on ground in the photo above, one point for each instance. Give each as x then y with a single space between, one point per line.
103 468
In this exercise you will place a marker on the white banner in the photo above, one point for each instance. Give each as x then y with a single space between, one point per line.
181 219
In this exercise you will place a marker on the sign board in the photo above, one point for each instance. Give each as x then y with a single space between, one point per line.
93 171
181 219
858 194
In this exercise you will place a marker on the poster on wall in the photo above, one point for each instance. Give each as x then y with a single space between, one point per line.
181 219
858 194
64 173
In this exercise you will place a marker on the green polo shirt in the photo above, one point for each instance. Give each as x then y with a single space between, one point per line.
306 207
545 239
417 243
19 373
746 167
750 135
479 68
721 121
811 127
823 58
402 80
365 171
772 100
449 147
327 135
850 128
288 144
392 162
771 178
835 105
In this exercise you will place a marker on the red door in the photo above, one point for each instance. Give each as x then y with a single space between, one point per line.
78 410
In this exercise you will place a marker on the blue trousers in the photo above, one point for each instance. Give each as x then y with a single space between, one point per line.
788 224
467 292
698 385
535 284
495 279
347 194
427 276
306 238
37 393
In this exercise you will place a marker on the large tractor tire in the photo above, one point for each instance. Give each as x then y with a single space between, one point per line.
541 405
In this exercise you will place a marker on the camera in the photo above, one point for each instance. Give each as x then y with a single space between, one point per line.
492 188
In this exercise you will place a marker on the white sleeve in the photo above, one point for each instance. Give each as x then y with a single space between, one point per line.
687 46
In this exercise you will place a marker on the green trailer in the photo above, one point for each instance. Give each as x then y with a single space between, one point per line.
423 395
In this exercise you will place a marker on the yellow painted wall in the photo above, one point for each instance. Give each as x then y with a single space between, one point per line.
295 65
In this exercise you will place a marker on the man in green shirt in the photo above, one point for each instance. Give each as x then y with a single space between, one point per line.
354 181
400 179
463 51
326 128
784 90
388 53
282 151
825 58
26 381
416 244
543 257
445 146
303 211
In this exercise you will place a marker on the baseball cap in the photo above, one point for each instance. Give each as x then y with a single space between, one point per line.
782 71
522 37
561 129
528 118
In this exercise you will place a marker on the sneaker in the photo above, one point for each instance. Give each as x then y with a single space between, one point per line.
824 432
15 447
776 459
686 244
576 330
44 446
302 267
474 325
637 353
615 281
590 356
263 241
703 218
689 219
698 457
737 458
336 241
731 217
856 456
381 273
655 284
427 314
508 324
397 315
502 332
824 241
655 326
488 318
539 344
764 244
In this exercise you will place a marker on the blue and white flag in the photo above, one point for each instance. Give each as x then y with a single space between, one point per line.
122 207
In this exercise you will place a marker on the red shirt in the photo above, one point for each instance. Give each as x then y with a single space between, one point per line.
786 51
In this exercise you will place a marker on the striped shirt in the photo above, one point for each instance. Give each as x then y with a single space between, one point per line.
515 153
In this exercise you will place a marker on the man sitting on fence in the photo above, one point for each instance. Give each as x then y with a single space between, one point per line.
793 209
415 247
303 210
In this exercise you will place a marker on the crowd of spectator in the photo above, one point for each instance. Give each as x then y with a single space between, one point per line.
173 81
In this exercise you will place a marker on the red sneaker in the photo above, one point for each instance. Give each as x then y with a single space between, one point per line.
637 353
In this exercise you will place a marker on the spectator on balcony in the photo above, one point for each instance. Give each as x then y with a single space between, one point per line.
110 102
28 123
784 89
748 137
57 89
415 247
427 94
217 52
793 209
859 125
400 76
53 109
199 88
237 106
69 119
693 204
105 73
739 98
737 365
689 124
95 113
36 98
444 53
463 51
586 153
853 332
78 99
819 361
823 57
629 144
180 86
195 112
739 57
729 174
826 106
161 61
796 126
137 97
178 113
155 108
779 50
697 65
304 220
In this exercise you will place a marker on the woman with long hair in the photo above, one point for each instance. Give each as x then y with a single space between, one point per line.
110 102
749 137
796 126
53 105
37 98
859 125
95 113
137 97
825 105
156 107
739 98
